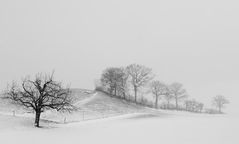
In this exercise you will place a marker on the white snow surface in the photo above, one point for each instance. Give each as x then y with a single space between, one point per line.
138 128
131 126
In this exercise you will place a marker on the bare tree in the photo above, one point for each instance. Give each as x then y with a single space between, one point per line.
108 80
158 89
168 96
112 79
177 92
193 106
123 82
40 94
139 76
219 101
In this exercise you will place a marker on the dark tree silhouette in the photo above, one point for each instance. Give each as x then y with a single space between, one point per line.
41 93
219 101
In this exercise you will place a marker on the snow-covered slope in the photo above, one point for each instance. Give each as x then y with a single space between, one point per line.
131 124
104 103
91 105
95 105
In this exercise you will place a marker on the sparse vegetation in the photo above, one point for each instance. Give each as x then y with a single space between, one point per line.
219 102
193 106
178 93
43 92
40 94
139 77
126 82
158 89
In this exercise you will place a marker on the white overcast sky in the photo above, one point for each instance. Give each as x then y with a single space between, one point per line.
192 42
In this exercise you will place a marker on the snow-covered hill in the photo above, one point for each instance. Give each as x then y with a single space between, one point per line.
95 105
119 122
91 105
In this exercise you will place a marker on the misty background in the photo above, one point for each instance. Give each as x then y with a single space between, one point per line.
191 42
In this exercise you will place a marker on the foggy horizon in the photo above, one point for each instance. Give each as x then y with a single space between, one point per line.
194 43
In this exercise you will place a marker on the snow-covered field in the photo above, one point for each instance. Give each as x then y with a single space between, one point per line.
130 124
127 129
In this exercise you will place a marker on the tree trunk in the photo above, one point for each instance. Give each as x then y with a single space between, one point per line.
135 94
168 105
124 95
115 91
176 100
111 91
219 108
156 102
37 118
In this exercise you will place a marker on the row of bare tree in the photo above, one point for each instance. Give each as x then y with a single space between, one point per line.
43 92
125 82
119 81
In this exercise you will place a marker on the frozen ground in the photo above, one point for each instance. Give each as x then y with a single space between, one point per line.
139 128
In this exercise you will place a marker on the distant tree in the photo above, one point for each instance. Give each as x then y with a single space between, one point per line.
146 102
98 85
200 107
40 94
111 79
193 106
219 101
139 77
158 89
211 111
123 82
168 96
177 92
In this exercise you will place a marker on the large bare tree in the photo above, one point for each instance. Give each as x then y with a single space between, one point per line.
177 92
219 101
158 89
40 94
139 76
